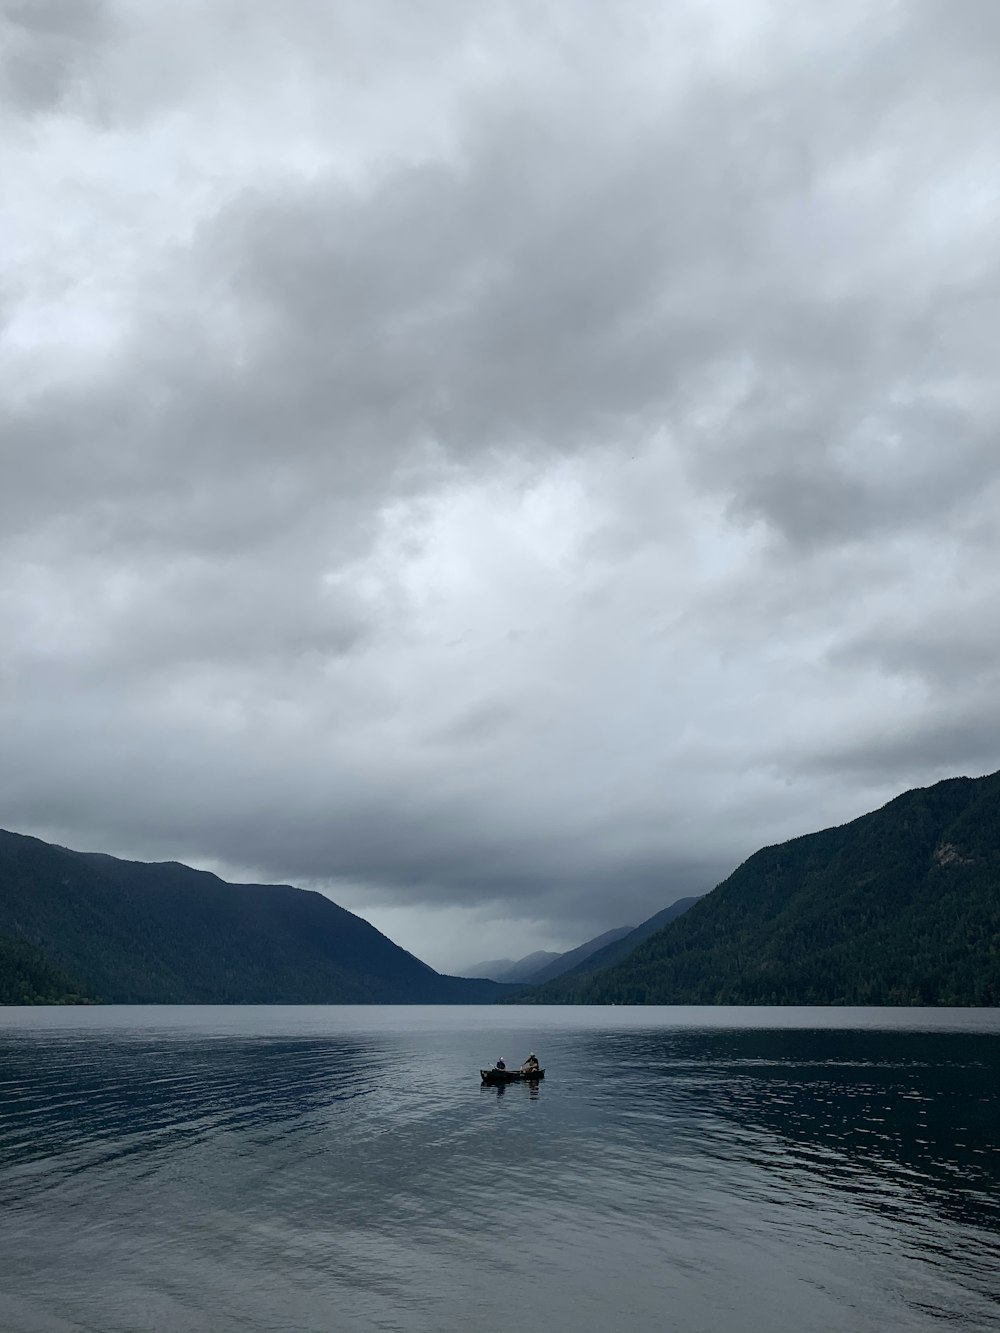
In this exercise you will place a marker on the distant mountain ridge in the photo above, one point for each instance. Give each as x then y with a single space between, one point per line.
525 969
540 966
494 968
624 943
601 951
86 925
566 962
900 906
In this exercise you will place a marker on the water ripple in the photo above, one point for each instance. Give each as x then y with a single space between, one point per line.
259 1171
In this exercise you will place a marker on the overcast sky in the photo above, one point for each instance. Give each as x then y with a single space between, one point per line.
501 463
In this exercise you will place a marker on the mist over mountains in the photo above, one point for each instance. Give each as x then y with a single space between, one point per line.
601 951
543 964
900 906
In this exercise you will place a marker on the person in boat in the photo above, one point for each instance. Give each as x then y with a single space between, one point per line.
501 1063
530 1065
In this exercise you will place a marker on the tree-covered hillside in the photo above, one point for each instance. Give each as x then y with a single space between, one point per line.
617 949
128 932
901 906
28 977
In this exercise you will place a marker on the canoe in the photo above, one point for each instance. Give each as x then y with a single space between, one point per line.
510 1075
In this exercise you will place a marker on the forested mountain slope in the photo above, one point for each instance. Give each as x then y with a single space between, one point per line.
901 906
130 932
617 949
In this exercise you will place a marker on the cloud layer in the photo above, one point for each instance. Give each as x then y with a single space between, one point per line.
504 467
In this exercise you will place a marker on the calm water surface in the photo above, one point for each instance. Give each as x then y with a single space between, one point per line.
301 1169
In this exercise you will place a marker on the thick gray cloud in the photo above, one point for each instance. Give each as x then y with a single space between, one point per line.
48 49
505 467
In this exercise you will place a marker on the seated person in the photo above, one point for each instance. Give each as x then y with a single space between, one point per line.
501 1063
531 1064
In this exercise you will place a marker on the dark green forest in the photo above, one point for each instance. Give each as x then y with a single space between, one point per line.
84 925
899 907
28 977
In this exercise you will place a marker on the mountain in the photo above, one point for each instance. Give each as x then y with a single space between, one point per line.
507 970
542 966
901 906
566 962
620 943
525 969
494 968
601 951
85 925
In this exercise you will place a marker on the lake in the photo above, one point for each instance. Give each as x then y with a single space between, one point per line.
316 1169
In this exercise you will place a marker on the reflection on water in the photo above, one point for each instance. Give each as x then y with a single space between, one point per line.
526 1087
877 1110
346 1169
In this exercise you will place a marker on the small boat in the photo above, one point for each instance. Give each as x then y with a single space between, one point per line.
510 1075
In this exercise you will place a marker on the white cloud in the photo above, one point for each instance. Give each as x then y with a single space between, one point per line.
498 465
